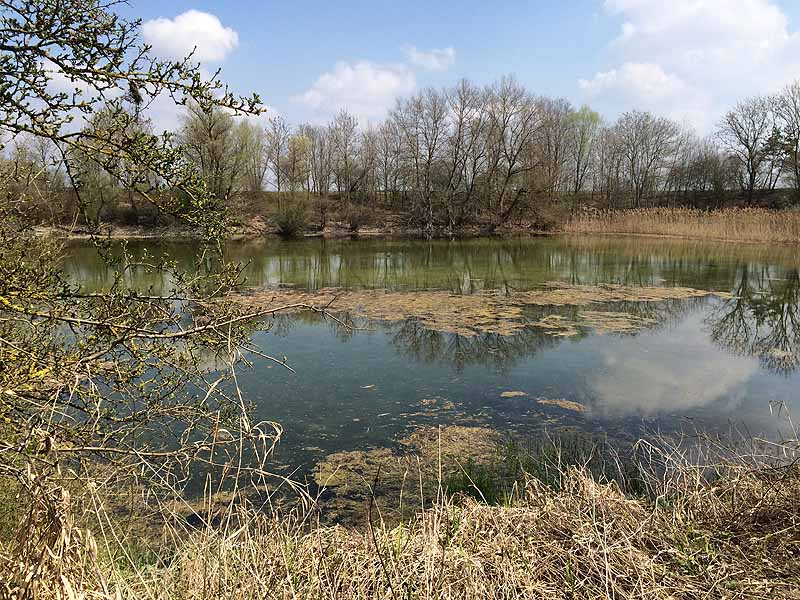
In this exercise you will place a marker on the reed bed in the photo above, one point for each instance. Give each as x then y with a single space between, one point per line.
737 540
734 224
733 536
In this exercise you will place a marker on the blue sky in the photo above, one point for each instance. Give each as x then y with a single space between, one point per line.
687 59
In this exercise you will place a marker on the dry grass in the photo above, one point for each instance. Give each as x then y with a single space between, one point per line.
737 536
738 539
741 225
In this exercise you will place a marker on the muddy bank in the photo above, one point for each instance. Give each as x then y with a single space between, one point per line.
258 228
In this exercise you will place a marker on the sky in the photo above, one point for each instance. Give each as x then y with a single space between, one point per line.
689 60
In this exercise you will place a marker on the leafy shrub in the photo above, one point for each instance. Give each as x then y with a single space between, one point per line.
291 218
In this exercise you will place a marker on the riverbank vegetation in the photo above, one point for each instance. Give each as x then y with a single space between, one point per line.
725 528
465 159
741 225
117 387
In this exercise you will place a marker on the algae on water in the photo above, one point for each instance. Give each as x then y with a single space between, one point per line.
491 312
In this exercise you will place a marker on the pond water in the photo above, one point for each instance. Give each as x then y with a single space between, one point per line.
719 350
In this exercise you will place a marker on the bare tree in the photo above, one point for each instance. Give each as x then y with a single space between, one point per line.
514 122
344 136
787 109
254 145
422 123
320 158
608 160
465 150
743 133
388 159
277 139
646 142
554 140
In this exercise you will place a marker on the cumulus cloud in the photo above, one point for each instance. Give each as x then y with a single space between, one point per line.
58 81
655 374
645 80
648 85
364 88
193 30
693 58
435 59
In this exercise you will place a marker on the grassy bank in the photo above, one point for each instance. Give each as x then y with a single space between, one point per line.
735 534
738 538
743 225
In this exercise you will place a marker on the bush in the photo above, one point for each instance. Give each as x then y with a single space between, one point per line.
291 219
356 216
549 216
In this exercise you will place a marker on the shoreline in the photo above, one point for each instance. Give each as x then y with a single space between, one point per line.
332 233
667 236
732 225
180 234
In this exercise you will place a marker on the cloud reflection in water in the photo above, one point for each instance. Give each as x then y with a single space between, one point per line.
671 371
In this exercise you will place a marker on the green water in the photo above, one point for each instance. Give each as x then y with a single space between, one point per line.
717 363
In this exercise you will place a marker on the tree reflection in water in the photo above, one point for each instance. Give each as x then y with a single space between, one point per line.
763 319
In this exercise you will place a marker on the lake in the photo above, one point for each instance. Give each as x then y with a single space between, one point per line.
618 337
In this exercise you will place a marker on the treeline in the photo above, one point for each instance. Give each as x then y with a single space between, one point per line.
448 159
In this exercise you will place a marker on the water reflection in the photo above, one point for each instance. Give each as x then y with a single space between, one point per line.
674 372
489 349
502 352
463 266
714 359
763 320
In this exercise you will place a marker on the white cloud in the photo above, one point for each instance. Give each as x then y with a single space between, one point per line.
364 88
654 374
435 59
165 114
647 85
646 80
192 30
693 58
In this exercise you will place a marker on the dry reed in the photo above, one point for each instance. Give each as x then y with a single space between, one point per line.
735 224
735 535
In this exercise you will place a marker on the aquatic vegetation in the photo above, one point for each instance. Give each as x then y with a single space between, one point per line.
403 478
599 322
453 460
424 447
437 401
513 394
435 410
562 403
492 312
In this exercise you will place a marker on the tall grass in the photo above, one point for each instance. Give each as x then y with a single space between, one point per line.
730 529
735 224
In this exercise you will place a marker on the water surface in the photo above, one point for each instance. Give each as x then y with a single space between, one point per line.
715 362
